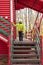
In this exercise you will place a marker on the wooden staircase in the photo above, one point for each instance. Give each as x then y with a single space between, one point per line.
4 18
24 53
4 27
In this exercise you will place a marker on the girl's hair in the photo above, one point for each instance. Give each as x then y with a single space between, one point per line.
20 22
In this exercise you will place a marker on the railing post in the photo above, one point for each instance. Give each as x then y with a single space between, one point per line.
41 41
11 37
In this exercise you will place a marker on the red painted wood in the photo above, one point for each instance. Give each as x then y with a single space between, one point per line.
4 11
3 47
33 4
14 15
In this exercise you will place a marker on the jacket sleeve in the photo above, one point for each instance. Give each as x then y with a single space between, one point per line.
15 24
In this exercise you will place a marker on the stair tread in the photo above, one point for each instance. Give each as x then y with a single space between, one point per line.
24 46
25 60
2 19
24 42
24 55
23 50
3 25
25 64
4 32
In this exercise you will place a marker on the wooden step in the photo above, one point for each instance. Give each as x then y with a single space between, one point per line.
2 19
24 42
5 29
33 61
21 47
4 26
6 23
4 32
23 50
26 64
24 55
8 31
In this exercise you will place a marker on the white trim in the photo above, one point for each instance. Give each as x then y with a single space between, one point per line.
4 39
11 9
11 12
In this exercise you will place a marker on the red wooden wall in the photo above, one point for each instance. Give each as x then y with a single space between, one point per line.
34 4
3 47
5 8
4 11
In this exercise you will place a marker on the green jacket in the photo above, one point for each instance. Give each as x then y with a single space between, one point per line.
20 27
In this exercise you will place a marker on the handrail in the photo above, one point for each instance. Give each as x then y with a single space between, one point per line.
37 40
4 20
3 38
37 34
4 26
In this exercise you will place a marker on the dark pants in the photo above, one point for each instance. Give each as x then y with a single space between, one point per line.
20 36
